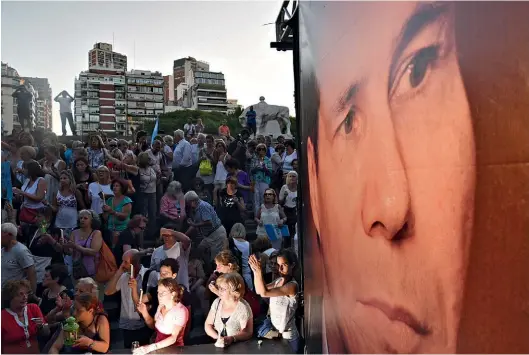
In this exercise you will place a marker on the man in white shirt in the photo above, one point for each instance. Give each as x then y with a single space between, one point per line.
130 322
65 100
182 161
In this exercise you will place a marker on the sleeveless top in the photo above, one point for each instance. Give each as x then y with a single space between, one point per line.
89 262
269 216
282 313
33 191
67 213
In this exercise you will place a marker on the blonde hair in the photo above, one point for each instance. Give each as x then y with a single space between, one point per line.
234 284
28 150
89 281
290 174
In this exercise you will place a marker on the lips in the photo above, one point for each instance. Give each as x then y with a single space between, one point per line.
399 314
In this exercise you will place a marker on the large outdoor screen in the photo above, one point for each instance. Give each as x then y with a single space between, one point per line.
415 135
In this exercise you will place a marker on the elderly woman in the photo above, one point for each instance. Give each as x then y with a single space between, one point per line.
25 153
21 322
94 328
238 238
173 205
205 221
175 245
170 319
272 215
230 318
288 197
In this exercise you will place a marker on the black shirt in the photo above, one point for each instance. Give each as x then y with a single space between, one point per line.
228 206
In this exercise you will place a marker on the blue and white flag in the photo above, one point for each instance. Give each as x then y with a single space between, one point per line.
155 131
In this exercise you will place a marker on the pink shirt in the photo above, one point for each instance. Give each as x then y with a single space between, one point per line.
176 317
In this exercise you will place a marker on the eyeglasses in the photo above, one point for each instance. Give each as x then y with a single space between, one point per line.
163 293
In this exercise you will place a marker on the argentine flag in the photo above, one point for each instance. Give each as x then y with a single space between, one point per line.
155 131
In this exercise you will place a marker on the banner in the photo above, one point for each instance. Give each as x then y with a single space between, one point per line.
415 120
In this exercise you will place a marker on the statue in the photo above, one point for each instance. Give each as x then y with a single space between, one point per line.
266 113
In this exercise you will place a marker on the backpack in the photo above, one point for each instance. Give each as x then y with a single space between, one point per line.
106 268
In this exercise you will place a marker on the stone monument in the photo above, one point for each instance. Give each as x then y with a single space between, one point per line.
271 119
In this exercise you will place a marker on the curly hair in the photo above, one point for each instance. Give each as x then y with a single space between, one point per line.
173 286
11 290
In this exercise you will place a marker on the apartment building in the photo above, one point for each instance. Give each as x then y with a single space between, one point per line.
206 91
145 97
181 68
102 56
168 90
44 102
100 101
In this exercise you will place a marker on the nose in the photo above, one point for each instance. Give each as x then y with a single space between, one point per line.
386 200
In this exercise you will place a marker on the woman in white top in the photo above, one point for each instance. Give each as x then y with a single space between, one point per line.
288 197
220 156
100 191
283 295
33 192
270 213
230 318
52 167
238 234
66 203
290 155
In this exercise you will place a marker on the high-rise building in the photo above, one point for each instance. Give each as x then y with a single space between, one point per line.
44 102
168 89
181 68
145 97
11 80
232 106
100 101
102 56
206 91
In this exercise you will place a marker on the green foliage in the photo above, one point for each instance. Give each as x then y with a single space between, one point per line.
170 122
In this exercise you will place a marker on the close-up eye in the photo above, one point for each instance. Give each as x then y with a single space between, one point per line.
348 123
414 72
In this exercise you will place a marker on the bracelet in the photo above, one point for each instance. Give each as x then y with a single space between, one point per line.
234 339
91 345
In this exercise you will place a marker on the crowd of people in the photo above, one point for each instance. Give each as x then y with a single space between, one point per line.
78 220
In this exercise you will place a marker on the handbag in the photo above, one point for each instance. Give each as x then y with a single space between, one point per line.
78 268
28 215
205 168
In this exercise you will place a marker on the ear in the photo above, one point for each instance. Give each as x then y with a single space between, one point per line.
313 184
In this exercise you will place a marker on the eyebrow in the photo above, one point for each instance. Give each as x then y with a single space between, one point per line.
424 15
348 96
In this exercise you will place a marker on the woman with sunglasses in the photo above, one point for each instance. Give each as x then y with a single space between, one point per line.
270 214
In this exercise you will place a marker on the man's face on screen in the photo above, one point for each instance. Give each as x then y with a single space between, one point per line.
394 182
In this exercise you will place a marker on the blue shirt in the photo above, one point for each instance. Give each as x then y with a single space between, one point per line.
250 117
206 212
182 157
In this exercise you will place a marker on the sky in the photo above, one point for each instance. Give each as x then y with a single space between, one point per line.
52 39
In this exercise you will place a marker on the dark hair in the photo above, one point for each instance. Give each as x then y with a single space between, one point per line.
210 137
289 256
252 144
34 169
136 220
171 263
76 174
171 226
231 164
58 271
122 183
172 286
290 143
10 290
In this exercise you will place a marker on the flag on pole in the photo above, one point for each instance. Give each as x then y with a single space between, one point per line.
155 131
